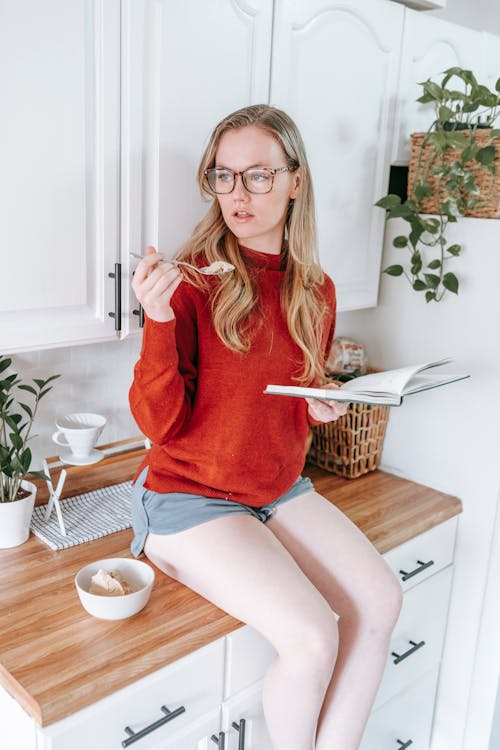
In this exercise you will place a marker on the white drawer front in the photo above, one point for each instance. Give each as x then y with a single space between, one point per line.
194 682
248 655
407 718
422 620
424 555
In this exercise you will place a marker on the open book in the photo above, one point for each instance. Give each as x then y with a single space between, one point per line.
387 388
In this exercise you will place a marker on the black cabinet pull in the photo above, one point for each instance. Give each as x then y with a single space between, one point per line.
140 313
241 729
421 566
169 715
220 740
414 647
117 314
404 745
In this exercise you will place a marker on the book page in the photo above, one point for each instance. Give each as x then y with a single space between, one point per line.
390 381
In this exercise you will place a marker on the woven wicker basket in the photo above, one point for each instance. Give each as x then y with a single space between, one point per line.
485 209
352 445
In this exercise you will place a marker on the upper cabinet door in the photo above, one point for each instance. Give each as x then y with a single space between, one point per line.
186 66
59 179
334 70
430 46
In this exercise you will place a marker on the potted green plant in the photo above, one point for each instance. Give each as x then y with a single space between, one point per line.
453 172
17 494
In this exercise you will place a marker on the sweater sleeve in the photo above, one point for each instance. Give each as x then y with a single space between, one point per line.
164 384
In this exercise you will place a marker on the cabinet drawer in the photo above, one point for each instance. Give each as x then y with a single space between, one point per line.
194 682
424 555
417 640
405 719
248 655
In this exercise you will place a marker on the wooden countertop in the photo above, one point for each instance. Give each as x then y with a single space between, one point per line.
55 658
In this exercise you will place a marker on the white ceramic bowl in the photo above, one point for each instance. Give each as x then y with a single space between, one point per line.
137 573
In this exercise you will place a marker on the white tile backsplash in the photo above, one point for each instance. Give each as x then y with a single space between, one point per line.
94 378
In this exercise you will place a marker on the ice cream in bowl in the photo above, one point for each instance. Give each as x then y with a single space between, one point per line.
114 588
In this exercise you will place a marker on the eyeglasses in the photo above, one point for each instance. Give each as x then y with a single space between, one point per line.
255 179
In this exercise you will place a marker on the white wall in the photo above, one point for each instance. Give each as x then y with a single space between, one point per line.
449 439
94 378
483 15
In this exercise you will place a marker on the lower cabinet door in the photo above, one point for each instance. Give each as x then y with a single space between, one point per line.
406 720
243 721
197 736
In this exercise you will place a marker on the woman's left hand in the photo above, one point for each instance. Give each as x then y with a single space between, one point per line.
326 411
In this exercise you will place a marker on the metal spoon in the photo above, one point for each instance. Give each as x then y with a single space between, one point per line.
210 270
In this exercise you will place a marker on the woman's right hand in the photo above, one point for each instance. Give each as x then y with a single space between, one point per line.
154 285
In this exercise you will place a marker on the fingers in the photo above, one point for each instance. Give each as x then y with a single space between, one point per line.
154 285
146 265
326 411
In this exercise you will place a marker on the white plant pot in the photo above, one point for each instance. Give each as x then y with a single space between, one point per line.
15 518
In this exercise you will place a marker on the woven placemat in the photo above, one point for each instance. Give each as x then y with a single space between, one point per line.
86 517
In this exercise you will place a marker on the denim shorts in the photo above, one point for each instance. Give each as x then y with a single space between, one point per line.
177 511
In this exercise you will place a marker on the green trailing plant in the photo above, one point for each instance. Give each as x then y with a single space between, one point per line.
458 116
16 421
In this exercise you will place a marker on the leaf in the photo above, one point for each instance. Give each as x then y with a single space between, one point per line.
38 382
430 296
389 201
49 380
457 139
432 225
4 363
400 241
434 264
433 90
422 190
25 459
450 282
432 280
425 99
486 155
419 285
497 85
445 113
395 270
454 249
416 263
26 409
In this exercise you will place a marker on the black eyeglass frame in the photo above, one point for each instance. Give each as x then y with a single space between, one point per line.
273 172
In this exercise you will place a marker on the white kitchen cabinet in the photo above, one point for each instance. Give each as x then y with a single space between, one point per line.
243 714
406 720
59 181
335 69
186 66
220 684
429 47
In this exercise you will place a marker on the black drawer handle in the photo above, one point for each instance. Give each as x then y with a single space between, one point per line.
404 745
421 566
140 313
414 647
169 715
117 314
241 729
220 740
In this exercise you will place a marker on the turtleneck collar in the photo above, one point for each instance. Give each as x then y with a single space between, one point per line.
259 259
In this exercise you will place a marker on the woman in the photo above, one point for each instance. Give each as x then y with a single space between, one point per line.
220 504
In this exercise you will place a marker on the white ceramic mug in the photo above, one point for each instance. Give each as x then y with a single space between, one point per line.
79 432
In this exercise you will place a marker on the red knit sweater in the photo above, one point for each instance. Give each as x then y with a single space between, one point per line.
213 430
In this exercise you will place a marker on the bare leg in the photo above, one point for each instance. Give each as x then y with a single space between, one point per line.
237 563
361 588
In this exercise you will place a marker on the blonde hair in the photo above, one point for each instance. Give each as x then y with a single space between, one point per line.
235 296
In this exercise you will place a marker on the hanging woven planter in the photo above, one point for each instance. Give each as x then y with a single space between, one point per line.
424 158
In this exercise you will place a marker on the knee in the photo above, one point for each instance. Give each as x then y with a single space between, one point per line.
381 610
311 642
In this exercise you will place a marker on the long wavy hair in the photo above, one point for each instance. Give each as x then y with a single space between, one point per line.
234 299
